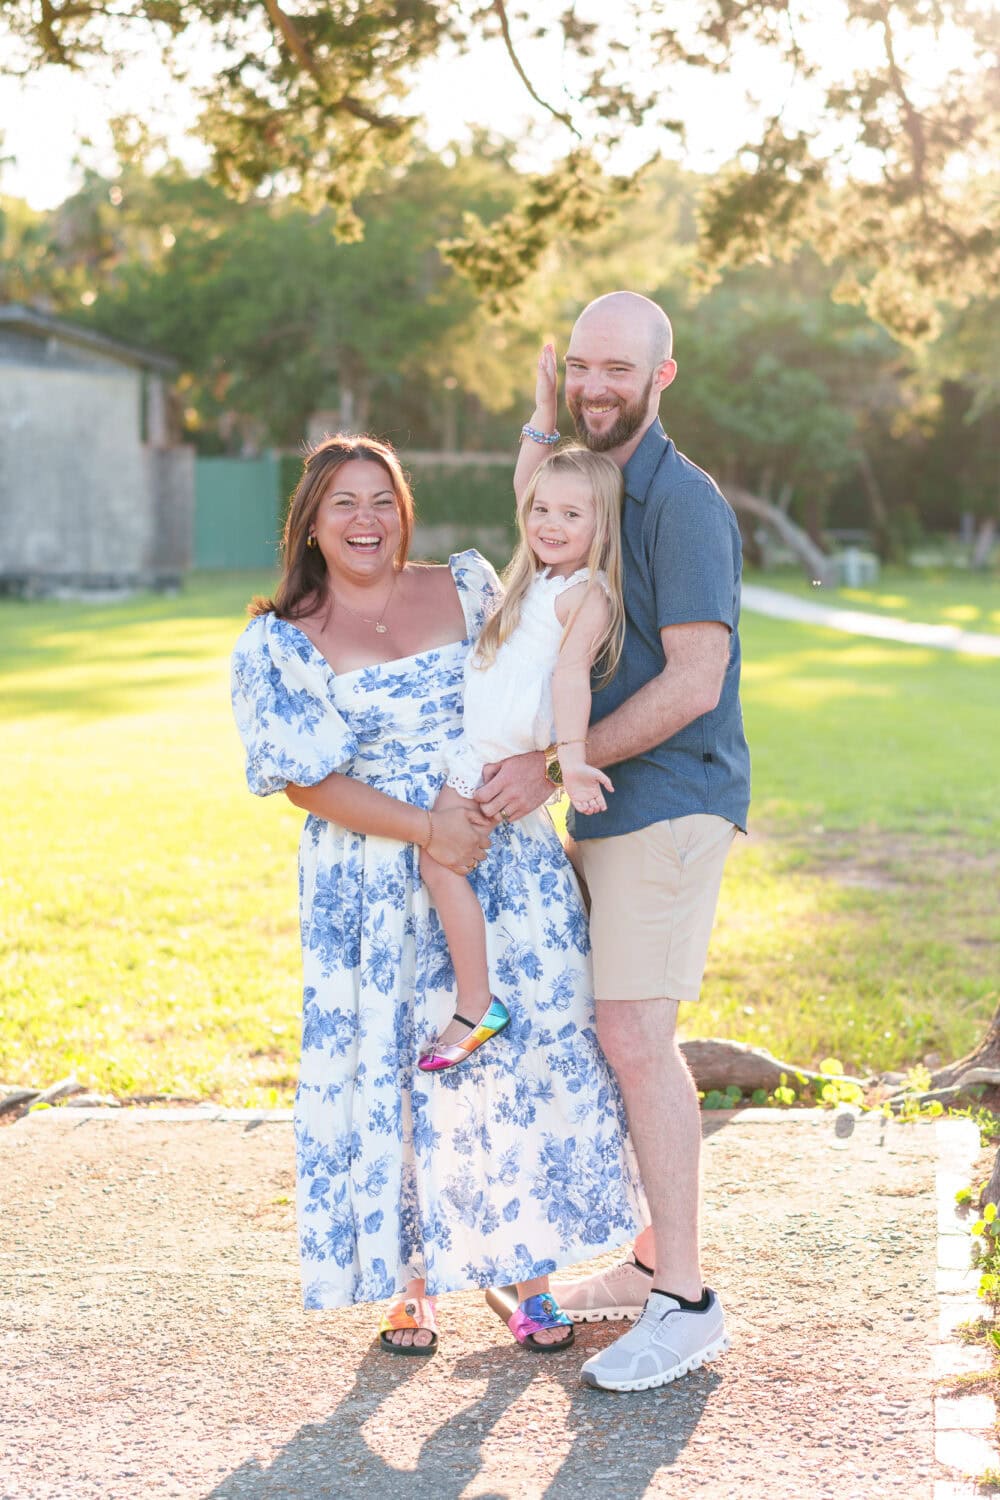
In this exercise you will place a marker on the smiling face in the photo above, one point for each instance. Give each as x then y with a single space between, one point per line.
560 522
356 524
615 371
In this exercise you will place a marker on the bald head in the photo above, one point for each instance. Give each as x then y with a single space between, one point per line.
617 365
633 318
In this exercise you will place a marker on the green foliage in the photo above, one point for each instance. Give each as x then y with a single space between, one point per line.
895 190
274 320
468 494
780 380
986 1253
729 1098
913 1107
276 325
572 202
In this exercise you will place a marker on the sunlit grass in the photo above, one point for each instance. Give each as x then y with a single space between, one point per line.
876 948
967 600
148 908
849 733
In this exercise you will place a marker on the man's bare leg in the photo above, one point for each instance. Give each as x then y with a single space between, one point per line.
682 1325
639 1040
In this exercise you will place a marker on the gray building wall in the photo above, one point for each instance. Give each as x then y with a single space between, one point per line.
85 499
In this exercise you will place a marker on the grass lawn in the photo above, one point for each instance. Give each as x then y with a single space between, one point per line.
970 601
148 927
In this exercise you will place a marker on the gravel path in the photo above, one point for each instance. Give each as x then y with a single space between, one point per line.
153 1343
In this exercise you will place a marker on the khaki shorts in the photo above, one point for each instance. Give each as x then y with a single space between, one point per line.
653 895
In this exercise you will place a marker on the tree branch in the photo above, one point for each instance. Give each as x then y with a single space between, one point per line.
500 11
911 117
288 31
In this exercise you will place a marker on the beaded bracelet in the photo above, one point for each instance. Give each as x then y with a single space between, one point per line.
537 436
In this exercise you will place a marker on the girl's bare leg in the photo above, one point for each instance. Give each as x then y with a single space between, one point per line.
464 927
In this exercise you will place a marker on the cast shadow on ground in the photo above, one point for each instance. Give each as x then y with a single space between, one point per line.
606 1453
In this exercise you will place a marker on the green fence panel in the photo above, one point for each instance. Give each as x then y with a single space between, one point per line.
236 513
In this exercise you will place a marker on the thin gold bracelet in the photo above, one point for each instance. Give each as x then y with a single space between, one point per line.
560 743
430 830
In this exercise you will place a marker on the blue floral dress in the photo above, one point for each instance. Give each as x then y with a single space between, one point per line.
513 1164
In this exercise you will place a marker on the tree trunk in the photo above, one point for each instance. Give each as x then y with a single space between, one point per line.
983 545
815 513
985 1054
991 1189
718 1064
816 564
876 507
980 1067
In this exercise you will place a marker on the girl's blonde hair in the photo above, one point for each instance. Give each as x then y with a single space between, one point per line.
606 487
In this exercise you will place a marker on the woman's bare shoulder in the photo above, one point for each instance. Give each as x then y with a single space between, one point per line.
429 577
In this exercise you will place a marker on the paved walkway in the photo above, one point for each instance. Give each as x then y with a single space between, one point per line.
153 1343
764 601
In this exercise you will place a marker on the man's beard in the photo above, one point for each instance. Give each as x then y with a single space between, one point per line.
627 423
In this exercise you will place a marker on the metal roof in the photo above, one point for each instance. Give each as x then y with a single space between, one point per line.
43 326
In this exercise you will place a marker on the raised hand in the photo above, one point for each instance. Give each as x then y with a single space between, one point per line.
543 419
546 390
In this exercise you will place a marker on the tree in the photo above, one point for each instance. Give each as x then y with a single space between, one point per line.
309 103
24 243
271 317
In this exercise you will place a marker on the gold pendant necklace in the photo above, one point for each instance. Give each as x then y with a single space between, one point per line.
381 628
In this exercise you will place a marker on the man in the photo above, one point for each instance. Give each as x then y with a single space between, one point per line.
670 726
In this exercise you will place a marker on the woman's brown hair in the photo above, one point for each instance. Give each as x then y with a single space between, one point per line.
303 570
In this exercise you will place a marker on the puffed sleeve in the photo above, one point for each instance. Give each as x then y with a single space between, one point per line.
284 711
479 588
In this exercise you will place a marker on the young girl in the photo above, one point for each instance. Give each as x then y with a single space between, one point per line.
527 683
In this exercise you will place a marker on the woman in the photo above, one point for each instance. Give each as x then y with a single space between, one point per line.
346 688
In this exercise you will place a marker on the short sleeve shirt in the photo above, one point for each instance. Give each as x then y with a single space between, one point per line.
682 563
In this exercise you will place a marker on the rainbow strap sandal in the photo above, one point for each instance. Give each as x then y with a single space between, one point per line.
437 1057
525 1319
408 1312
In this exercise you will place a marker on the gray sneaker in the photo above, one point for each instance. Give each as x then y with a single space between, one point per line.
666 1342
619 1292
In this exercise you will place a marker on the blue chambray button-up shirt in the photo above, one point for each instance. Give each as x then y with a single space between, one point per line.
682 562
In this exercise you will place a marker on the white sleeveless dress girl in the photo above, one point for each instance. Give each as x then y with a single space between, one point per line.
508 705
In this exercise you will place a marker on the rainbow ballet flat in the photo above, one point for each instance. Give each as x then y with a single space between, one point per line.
438 1057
